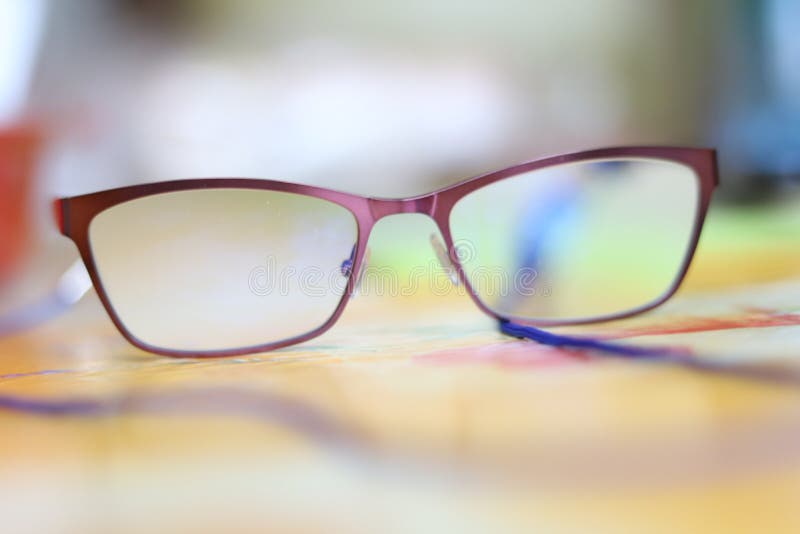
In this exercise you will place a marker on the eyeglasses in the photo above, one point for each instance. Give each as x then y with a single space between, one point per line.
221 267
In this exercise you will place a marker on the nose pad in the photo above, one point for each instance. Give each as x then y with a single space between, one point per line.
444 258
347 266
361 270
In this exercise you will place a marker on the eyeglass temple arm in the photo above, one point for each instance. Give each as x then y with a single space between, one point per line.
72 285
587 343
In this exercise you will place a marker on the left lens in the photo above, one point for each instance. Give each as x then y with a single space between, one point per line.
221 269
578 241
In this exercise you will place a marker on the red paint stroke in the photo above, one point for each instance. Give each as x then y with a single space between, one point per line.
509 354
761 319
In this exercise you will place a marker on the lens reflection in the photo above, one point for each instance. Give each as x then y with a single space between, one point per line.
218 269
577 241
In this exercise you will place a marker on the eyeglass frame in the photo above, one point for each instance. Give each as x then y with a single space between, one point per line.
73 215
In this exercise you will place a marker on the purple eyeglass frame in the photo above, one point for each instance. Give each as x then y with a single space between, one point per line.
74 214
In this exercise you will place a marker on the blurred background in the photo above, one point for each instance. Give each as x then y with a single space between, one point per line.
381 99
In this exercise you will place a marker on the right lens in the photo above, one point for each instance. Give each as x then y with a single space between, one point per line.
578 241
221 269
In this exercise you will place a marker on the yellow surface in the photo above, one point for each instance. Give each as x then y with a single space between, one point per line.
404 420
414 415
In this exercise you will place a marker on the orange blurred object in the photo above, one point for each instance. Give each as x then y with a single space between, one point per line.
19 148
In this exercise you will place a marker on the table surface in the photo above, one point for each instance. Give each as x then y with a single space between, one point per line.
414 414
